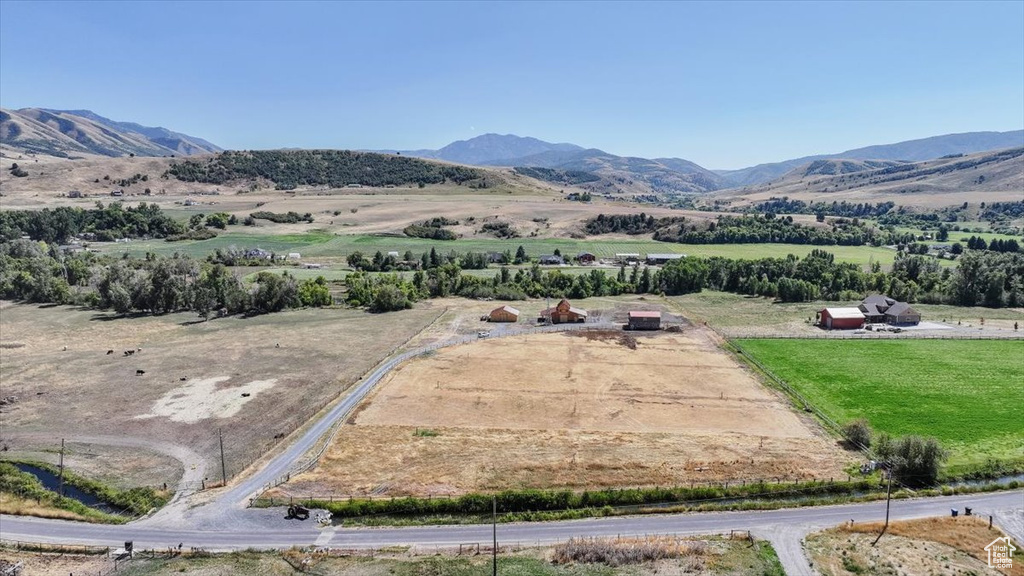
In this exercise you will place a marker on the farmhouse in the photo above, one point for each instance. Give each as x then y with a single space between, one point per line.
564 313
551 260
881 308
585 258
644 320
663 258
503 314
840 318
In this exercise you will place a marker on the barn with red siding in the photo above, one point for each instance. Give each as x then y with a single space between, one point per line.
841 318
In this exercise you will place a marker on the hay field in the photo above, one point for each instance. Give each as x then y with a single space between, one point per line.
963 392
570 411
287 365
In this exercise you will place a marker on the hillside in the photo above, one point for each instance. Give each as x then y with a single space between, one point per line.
288 169
81 133
984 176
909 151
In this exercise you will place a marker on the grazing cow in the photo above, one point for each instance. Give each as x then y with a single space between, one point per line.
109 352
129 352
140 372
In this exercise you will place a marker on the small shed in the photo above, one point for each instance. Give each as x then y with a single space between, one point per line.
294 256
563 313
551 260
644 320
663 258
503 314
841 318
627 258
75 194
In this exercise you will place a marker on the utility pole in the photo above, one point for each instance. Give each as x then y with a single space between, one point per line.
223 468
60 489
888 499
494 533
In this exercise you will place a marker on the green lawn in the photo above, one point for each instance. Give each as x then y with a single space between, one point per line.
966 393
320 244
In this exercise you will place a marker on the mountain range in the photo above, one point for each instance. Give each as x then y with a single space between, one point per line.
675 175
67 133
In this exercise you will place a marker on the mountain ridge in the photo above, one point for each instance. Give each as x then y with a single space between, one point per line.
63 133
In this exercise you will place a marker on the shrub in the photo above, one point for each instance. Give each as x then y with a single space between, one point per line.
858 433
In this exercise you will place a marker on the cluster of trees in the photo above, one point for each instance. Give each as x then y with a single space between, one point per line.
996 245
844 209
18 171
106 223
32 272
433 229
499 229
1002 211
336 168
632 224
913 461
282 217
556 176
425 261
768 228
579 197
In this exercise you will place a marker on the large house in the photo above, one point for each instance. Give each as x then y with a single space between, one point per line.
879 308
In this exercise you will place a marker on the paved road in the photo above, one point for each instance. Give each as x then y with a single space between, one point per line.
785 528
223 523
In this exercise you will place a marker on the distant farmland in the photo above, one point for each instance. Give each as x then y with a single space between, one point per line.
966 393
320 244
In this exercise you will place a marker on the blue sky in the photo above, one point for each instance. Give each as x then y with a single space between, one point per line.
726 85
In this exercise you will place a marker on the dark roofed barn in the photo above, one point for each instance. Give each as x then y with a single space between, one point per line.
644 320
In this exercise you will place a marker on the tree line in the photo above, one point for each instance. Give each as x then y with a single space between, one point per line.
32 272
105 223
984 278
336 168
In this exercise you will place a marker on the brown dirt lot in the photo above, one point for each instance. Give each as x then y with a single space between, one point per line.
84 391
570 410
928 546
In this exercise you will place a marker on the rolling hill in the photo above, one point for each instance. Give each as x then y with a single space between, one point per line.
908 151
984 176
71 133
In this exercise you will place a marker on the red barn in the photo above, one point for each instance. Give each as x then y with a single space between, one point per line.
841 318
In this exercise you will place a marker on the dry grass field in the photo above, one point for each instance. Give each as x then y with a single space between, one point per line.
582 410
929 546
256 379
